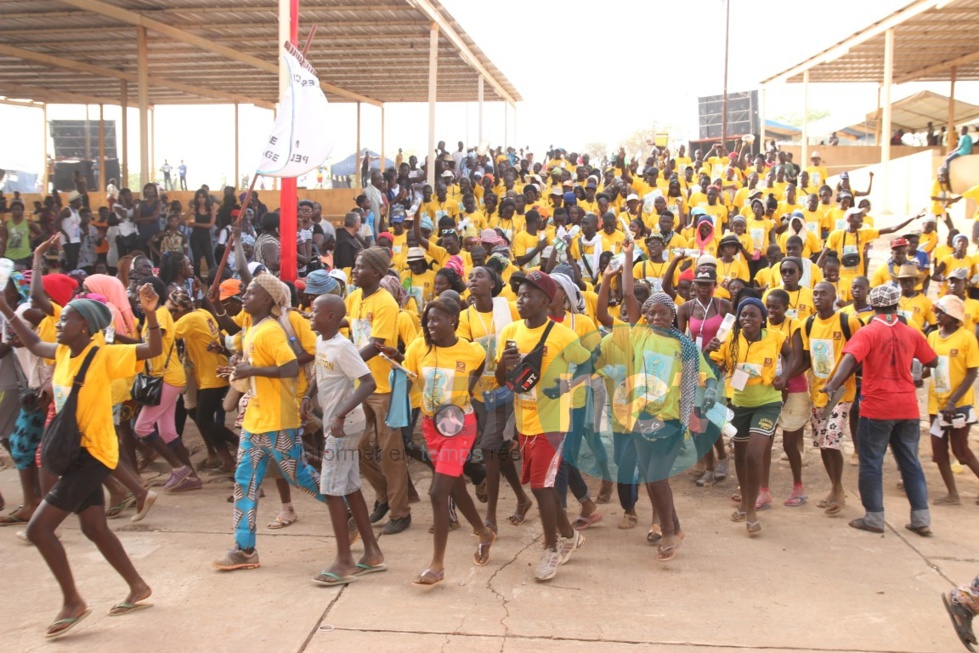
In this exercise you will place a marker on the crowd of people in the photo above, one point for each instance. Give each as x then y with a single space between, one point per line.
538 322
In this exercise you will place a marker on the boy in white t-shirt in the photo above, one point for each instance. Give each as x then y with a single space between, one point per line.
338 366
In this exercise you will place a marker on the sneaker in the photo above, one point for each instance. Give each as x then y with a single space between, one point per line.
395 526
237 559
176 476
380 509
707 479
547 566
568 545
187 484
720 470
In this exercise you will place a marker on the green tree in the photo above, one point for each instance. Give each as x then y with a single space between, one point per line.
596 150
794 118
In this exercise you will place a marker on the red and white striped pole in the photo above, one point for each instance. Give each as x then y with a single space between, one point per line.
288 197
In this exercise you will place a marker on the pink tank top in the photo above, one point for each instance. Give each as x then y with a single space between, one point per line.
705 330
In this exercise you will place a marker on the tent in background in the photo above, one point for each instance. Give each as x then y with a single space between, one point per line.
347 167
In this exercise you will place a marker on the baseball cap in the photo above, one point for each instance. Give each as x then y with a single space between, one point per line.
815 155
884 296
557 190
899 242
415 254
632 196
229 288
397 216
540 280
959 273
706 259
591 183
447 173
705 275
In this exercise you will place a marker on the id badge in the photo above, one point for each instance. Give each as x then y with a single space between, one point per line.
792 313
700 343
739 379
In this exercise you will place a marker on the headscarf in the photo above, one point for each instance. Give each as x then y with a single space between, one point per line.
276 290
181 299
689 355
115 293
59 287
22 284
393 285
96 315
426 223
702 242
574 300
455 263
501 258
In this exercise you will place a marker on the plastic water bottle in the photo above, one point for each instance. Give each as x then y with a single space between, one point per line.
916 371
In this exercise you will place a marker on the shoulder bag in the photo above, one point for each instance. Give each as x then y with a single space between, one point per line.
61 443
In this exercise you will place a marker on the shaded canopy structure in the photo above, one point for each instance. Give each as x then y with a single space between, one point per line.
912 114
926 40
154 52
349 165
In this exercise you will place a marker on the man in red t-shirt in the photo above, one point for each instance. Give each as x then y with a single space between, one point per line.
887 348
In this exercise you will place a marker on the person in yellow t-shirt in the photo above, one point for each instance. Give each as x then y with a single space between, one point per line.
470 211
850 243
373 317
447 368
731 264
951 394
957 283
800 297
914 306
958 259
270 430
202 340
440 206
507 219
79 489
817 171
612 235
161 417
824 337
419 278
528 244
928 240
541 415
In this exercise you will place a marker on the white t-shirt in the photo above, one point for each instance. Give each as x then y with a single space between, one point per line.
35 369
71 226
338 365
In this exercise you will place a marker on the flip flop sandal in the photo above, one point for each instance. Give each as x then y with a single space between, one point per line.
653 536
481 492
429 578
481 557
739 516
796 501
923 531
628 521
520 515
862 525
151 498
120 609
62 626
962 622
329 579
282 522
364 569
583 523
763 506
667 552
117 509
754 528
822 503
605 493
834 508
736 497
11 518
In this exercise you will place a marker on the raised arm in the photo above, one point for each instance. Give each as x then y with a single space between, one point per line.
26 334
148 301
39 298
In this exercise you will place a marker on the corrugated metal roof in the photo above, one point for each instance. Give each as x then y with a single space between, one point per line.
377 49
930 36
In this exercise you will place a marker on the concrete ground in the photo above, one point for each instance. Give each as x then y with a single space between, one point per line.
809 583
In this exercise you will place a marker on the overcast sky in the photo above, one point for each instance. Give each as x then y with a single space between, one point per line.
624 65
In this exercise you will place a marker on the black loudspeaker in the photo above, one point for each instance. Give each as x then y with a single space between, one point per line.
64 174
742 115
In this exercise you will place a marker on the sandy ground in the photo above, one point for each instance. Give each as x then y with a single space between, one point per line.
809 583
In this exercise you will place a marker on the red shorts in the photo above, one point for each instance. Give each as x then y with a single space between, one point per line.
541 457
449 454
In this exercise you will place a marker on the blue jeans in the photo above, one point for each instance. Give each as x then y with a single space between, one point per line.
902 435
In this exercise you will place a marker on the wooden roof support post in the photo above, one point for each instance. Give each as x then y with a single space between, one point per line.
951 135
382 138
433 63
357 175
805 120
124 152
237 174
142 92
479 98
885 131
101 186
44 174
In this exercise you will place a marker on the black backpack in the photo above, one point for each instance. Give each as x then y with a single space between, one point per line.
844 325
61 443
527 373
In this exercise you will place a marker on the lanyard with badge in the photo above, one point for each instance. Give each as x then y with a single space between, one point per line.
706 310
740 376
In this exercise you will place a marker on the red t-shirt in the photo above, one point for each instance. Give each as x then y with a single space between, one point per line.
886 351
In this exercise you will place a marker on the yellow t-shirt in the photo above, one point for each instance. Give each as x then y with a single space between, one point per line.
612 242
653 273
736 269
509 225
524 242
437 210
94 412
928 241
825 343
198 329
480 328
759 360
534 411
971 313
811 243
811 274
421 287
375 317
917 310
172 372
444 372
844 242
817 175
957 354
800 302
760 232
274 405
938 208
